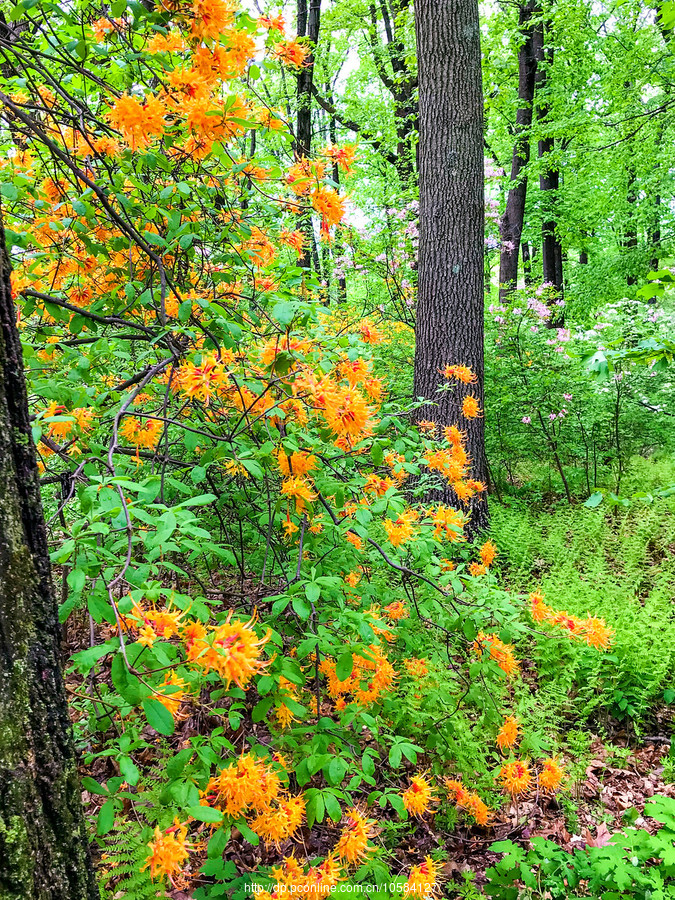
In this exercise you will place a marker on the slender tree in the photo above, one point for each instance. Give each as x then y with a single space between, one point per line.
44 853
549 179
450 296
511 226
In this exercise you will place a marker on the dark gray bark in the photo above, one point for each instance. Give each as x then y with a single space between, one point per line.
449 325
511 226
44 852
549 179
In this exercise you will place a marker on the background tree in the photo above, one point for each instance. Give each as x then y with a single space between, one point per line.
44 852
449 326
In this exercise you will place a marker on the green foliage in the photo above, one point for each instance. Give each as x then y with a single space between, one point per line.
635 864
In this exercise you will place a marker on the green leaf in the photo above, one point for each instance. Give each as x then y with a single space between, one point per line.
91 785
129 770
594 500
158 717
205 814
344 666
106 818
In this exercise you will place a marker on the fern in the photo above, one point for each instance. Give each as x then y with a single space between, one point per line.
125 850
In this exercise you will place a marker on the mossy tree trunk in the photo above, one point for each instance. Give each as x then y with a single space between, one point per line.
44 851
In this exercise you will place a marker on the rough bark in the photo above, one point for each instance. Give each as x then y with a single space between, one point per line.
511 226
549 179
450 295
308 25
44 853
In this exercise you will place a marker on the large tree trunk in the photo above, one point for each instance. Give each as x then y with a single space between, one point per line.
44 853
511 225
549 180
450 295
308 25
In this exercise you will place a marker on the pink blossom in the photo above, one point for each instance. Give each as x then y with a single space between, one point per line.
567 396
526 420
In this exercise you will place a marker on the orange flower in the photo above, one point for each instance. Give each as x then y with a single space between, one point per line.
477 569
499 651
419 796
141 433
401 530
272 23
347 412
300 462
516 777
210 18
416 667
508 733
423 879
471 407
460 373
204 381
291 53
551 775
231 649
352 847
596 633
277 825
397 611
343 156
488 552
172 700
300 490
168 852
138 121
369 334
329 205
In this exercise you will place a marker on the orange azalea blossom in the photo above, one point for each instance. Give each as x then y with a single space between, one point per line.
397 611
304 174
347 413
448 523
488 552
477 569
352 846
272 23
280 823
423 879
142 433
419 796
343 156
454 436
204 381
551 775
299 489
168 852
401 530
369 333
248 783
173 698
427 426
294 239
58 429
508 733
376 485
592 630
516 777
210 18
469 801
232 649
460 373
330 206
499 651
138 121
418 668
471 407
291 53
300 462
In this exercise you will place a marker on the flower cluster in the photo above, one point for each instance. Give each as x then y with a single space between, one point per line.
591 629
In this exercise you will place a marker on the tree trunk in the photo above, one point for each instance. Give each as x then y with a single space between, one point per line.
511 225
450 295
309 23
549 180
44 853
